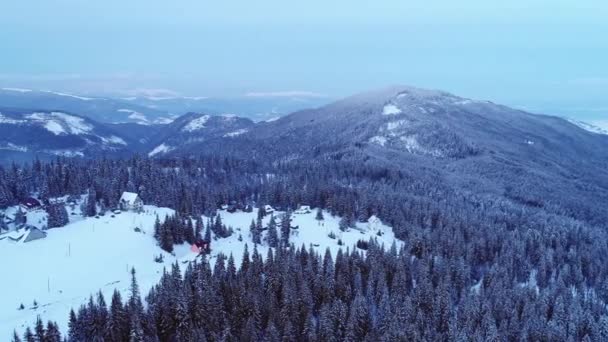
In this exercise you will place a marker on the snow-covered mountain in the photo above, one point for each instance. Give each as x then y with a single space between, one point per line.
191 132
100 109
589 127
255 106
25 134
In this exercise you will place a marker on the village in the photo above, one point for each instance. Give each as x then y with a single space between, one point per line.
29 220
122 239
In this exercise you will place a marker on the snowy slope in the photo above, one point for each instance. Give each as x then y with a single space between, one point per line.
589 127
70 258
85 256
310 232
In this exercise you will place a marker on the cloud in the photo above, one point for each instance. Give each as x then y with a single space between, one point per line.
290 93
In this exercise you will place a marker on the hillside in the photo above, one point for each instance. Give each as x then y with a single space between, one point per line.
63 279
28 134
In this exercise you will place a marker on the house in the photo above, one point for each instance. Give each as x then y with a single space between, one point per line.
304 209
30 203
201 246
32 234
130 201
268 209
29 233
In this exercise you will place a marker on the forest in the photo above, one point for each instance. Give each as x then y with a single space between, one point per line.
474 266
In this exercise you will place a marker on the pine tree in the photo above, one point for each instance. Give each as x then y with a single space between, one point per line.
52 333
57 215
20 217
16 337
39 331
198 229
91 204
343 225
273 236
28 336
255 233
285 228
319 216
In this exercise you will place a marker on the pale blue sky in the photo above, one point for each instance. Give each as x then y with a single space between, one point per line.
549 56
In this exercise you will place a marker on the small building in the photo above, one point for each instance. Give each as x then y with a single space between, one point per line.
30 203
268 209
304 209
201 247
130 201
32 234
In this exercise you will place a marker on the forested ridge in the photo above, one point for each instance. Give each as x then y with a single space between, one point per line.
474 266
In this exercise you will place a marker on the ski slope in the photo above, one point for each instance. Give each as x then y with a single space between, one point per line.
96 254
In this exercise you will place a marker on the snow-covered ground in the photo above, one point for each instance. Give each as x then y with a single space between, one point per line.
62 270
92 254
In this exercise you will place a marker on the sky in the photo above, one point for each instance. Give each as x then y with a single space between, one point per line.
546 56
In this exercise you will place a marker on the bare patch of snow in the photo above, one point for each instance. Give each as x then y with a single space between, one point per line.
236 133
391 109
6 120
396 124
196 124
589 127
162 148
12 147
19 90
65 153
113 140
68 95
380 140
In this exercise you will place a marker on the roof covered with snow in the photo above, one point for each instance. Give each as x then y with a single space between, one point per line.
128 197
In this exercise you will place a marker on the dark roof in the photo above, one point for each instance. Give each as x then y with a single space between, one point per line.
30 202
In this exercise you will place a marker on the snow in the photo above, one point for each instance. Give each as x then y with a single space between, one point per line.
412 145
273 119
19 90
128 197
90 255
135 115
236 133
163 121
196 124
589 127
6 120
391 109
68 95
12 147
162 148
81 258
60 123
380 140
65 153
390 126
113 140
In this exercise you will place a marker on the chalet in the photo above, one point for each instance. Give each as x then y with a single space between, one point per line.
201 246
29 233
33 233
130 201
304 209
30 203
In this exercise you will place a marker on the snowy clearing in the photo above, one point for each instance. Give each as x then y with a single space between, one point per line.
391 109
91 254
196 124
162 148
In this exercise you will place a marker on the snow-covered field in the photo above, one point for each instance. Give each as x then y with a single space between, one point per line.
92 254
